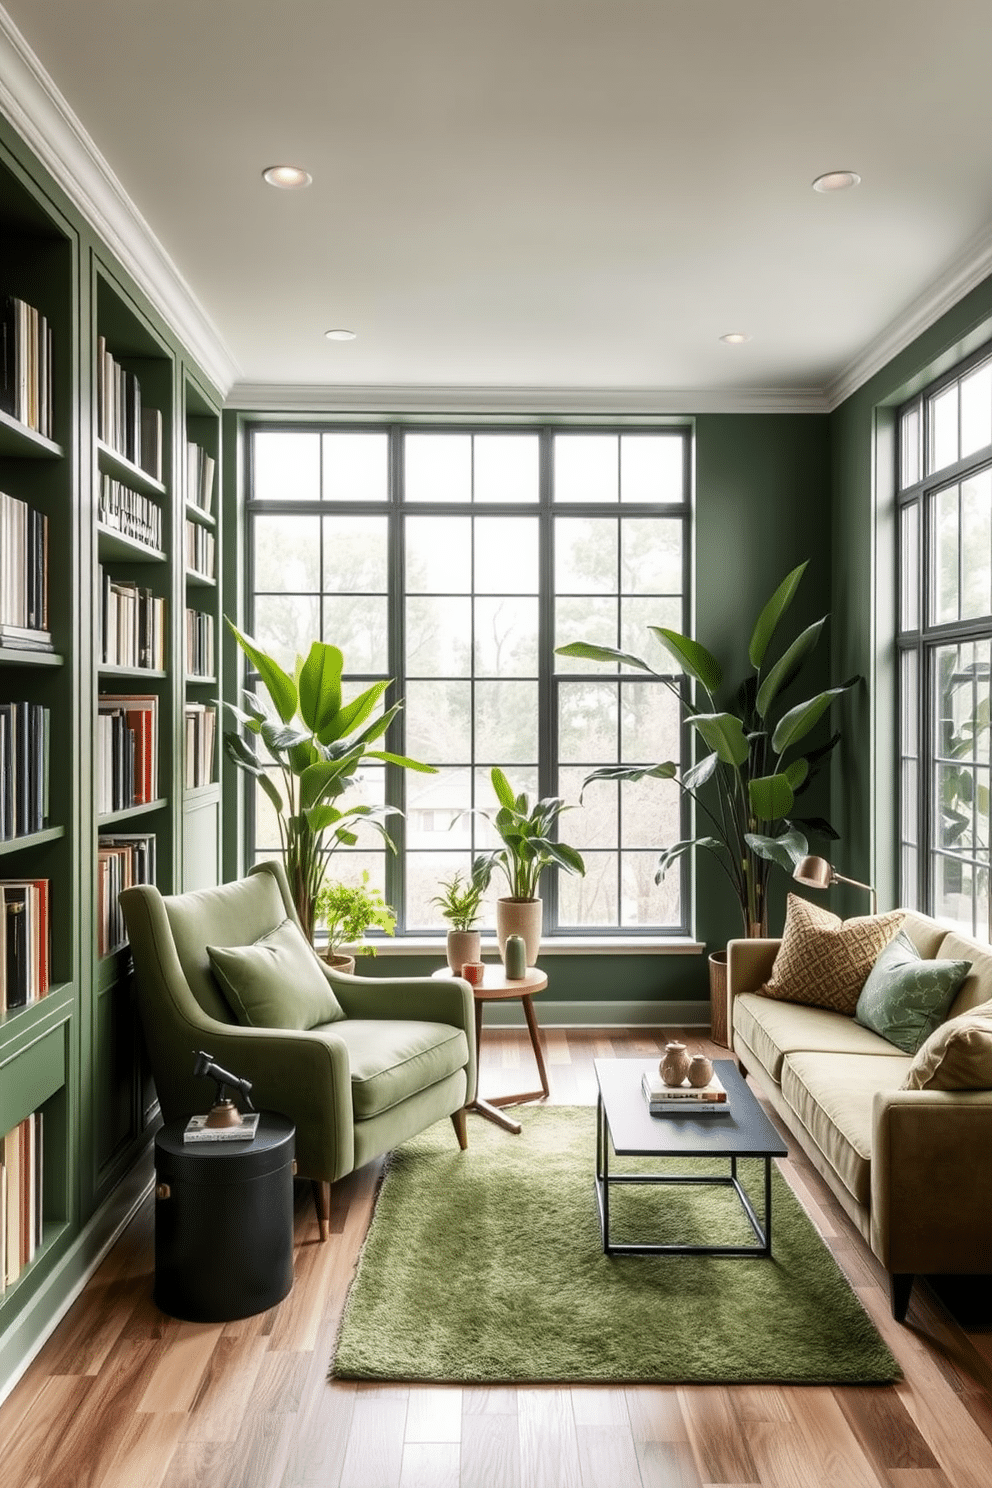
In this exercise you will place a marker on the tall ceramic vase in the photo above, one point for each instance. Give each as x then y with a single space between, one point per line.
520 917
462 946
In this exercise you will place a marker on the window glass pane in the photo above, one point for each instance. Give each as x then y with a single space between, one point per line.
649 723
909 692
635 637
506 722
506 637
650 813
286 552
909 550
587 723
523 779
586 467
438 637
438 467
976 542
592 901
651 467
909 785
439 722
355 555
944 544
438 555
651 556
506 555
286 626
285 467
359 628
434 812
585 556
585 619
506 467
976 410
944 428
910 466
643 902
424 872
346 865
596 823
356 467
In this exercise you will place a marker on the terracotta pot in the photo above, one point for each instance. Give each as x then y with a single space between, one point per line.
718 998
463 946
520 917
340 963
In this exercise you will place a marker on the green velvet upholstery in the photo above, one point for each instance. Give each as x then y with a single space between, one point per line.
402 1057
276 982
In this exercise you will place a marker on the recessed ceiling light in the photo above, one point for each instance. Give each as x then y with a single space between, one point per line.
340 335
837 181
287 177
735 338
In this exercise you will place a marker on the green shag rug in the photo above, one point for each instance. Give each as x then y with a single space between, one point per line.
487 1267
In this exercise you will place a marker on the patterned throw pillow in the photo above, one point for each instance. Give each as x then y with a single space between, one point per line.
824 961
957 1055
906 997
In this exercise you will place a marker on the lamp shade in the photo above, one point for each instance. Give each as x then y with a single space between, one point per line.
814 873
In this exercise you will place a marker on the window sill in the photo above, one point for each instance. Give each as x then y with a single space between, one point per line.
559 945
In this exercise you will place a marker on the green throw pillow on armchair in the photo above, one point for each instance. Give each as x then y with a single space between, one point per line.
906 997
275 983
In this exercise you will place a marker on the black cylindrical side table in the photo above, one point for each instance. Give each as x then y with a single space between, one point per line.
223 1222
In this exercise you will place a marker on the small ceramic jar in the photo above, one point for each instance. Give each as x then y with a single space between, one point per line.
675 1065
700 1070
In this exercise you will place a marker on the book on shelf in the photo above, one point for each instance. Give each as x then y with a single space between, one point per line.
24 756
127 751
201 726
25 942
23 575
199 643
197 1130
21 1197
26 366
132 624
657 1093
199 477
123 859
120 509
200 547
124 422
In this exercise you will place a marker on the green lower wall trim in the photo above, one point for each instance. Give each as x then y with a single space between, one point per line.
21 1341
667 979
619 1014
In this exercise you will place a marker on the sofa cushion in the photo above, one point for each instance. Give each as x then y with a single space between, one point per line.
276 982
393 1060
832 1096
976 989
773 1029
824 961
905 997
956 1056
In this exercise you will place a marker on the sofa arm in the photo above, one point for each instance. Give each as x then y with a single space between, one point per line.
749 965
931 1207
423 999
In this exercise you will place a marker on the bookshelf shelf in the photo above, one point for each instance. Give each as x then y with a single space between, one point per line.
31 840
197 515
201 580
29 657
26 444
118 465
113 818
136 674
116 546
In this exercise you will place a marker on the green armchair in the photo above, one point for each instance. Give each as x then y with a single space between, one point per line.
401 1055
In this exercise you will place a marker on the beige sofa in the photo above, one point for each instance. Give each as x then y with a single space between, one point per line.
910 1167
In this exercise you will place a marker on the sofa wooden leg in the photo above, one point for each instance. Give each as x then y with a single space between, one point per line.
322 1204
460 1123
900 1286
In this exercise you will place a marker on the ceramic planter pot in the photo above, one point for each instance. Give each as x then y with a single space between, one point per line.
522 917
463 946
340 963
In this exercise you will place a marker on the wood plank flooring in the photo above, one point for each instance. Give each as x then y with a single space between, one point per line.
123 1397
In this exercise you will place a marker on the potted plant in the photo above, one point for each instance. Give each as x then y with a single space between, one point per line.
746 785
348 911
528 847
314 744
459 902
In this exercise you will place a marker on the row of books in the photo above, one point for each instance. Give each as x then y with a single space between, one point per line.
132 625
130 513
199 644
199 549
24 752
127 752
121 862
684 1100
21 1170
23 575
26 366
201 729
123 423
199 477
25 942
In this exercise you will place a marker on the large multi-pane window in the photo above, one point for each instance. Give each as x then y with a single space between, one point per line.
945 645
454 561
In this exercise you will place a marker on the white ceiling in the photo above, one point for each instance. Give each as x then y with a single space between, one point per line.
561 196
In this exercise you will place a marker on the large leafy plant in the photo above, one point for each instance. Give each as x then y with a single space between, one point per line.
528 841
314 743
746 784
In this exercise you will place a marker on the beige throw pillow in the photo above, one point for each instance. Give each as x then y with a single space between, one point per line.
824 961
956 1056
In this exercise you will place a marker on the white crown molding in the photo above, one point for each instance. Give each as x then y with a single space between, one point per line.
963 274
34 106
523 401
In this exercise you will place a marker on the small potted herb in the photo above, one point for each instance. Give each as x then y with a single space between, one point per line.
459 902
348 911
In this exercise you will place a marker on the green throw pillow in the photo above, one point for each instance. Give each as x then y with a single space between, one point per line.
906 997
275 983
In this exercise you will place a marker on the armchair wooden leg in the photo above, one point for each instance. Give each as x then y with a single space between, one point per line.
460 1123
322 1204
900 1287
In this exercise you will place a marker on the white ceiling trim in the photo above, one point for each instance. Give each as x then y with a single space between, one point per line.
963 274
31 101
533 402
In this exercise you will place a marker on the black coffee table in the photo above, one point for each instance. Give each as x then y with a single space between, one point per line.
623 1118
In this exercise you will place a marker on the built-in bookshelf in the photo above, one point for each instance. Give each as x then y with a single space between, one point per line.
110 443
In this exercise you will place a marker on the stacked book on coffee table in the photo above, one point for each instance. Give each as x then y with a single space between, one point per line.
685 1099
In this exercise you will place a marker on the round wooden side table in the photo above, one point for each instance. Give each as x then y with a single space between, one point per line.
497 987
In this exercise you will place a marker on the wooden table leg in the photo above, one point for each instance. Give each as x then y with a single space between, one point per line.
535 1038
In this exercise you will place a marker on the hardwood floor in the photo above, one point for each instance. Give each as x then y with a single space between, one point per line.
124 1397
